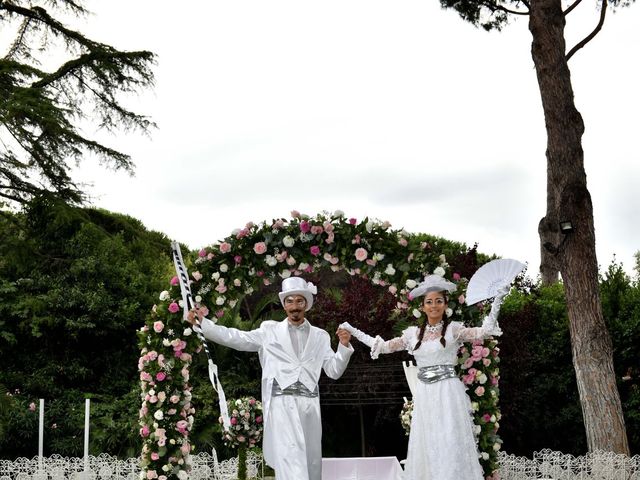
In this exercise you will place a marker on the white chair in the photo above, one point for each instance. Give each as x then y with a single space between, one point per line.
411 372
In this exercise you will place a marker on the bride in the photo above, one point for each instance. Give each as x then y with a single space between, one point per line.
441 443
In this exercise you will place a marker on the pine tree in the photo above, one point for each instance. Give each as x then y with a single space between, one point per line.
42 110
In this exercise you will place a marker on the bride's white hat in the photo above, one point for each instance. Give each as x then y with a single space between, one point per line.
298 286
432 283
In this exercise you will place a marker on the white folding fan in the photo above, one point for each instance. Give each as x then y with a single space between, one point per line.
490 277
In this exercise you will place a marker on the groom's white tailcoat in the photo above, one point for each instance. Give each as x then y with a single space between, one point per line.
292 426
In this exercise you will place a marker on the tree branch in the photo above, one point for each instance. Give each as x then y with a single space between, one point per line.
40 14
571 7
589 37
514 12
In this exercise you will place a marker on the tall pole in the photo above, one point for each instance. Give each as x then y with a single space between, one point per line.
87 414
41 435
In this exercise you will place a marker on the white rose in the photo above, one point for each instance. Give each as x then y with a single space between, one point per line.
233 303
249 291
215 276
416 313
411 283
474 406
224 268
182 475
484 455
439 271
181 303
237 282
158 415
285 273
198 298
338 213
164 295
288 241
493 419
390 270
291 261
271 260
482 379
369 226
220 300
442 259
187 332
166 342
303 266
496 447
449 312
378 256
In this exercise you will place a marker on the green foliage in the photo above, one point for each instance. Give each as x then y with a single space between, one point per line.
539 391
41 112
74 284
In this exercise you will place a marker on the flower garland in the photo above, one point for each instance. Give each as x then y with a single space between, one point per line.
262 254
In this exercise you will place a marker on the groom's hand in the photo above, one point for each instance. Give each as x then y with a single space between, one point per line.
344 336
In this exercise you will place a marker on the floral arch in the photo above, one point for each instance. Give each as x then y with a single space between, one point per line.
265 253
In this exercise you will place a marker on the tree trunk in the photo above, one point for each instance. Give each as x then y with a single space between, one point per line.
574 254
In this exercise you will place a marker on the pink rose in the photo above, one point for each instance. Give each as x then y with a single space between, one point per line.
295 214
305 226
225 247
328 227
456 276
479 390
221 288
353 221
260 248
461 299
237 259
144 431
486 418
158 326
258 419
402 241
197 276
330 238
234 420
315 250
160 376
174 307
486 362
32 406
174 280
202 253
151 474
393 289
316 229
361 254
155 456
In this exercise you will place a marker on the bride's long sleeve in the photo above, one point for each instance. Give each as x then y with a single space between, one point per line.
377 345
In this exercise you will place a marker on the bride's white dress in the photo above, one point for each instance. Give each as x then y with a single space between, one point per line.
441 443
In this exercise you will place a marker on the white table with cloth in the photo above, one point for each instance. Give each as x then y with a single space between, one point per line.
361 468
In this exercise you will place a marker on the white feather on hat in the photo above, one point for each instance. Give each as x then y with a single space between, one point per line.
432 283
298 286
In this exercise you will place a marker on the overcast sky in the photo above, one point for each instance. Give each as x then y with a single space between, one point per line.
395 110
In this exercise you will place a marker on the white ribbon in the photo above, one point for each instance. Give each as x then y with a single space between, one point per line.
187 305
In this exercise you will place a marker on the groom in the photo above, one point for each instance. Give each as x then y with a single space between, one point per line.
292 354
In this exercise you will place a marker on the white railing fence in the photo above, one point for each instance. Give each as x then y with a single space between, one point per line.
548 464
205 467
545 464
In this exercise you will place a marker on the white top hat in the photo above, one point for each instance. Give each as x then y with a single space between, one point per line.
432 283
298 286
